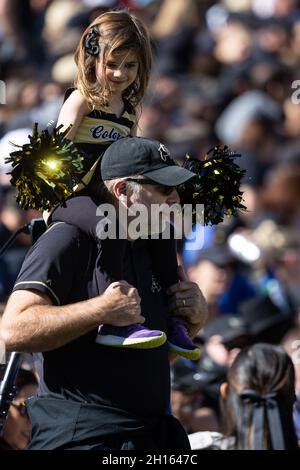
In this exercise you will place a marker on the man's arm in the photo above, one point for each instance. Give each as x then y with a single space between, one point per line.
31 323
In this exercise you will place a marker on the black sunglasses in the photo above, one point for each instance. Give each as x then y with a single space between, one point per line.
166 190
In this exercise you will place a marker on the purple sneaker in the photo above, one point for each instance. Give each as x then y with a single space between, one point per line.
132 336
179 340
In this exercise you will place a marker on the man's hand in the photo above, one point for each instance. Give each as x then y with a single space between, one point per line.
31 323
121 304
186 300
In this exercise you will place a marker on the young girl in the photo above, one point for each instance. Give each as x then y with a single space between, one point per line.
114 62
257 403
258 399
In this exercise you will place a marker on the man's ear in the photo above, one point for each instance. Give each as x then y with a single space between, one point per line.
120 189
224 390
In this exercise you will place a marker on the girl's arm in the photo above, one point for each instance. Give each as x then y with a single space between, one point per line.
72 112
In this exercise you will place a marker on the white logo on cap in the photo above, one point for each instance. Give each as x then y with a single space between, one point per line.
164 152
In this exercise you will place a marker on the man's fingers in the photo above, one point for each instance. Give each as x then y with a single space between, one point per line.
185 294
182 286
127 289
180 311
133 293
182 274
181 303
123 285
182 300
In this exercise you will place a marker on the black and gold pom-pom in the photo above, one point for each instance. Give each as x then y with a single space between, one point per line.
46 169
216 185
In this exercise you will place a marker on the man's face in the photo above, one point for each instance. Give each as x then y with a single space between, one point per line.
156 201
156 194
217 350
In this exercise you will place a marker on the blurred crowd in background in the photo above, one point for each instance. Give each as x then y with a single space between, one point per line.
225 71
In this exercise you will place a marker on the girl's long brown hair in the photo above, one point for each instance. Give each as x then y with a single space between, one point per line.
265 369
118 31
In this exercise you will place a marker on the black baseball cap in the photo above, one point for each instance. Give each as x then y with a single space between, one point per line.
216 254
261 314
140 156
229 327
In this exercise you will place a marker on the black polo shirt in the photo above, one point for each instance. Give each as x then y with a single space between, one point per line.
69 267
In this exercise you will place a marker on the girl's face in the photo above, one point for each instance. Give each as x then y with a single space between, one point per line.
120 70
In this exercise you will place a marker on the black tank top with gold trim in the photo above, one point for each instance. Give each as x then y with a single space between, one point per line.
101 127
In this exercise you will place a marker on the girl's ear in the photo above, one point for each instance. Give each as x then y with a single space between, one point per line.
224 390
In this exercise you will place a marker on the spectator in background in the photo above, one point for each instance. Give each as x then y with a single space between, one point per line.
291 343
24 25
90 9
173 31
281 194
272 251
223 283
222 339
266 322
17 427
258 400
11 219
190 402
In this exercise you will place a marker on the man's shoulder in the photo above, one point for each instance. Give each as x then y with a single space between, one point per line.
55 263
72 230
62 235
